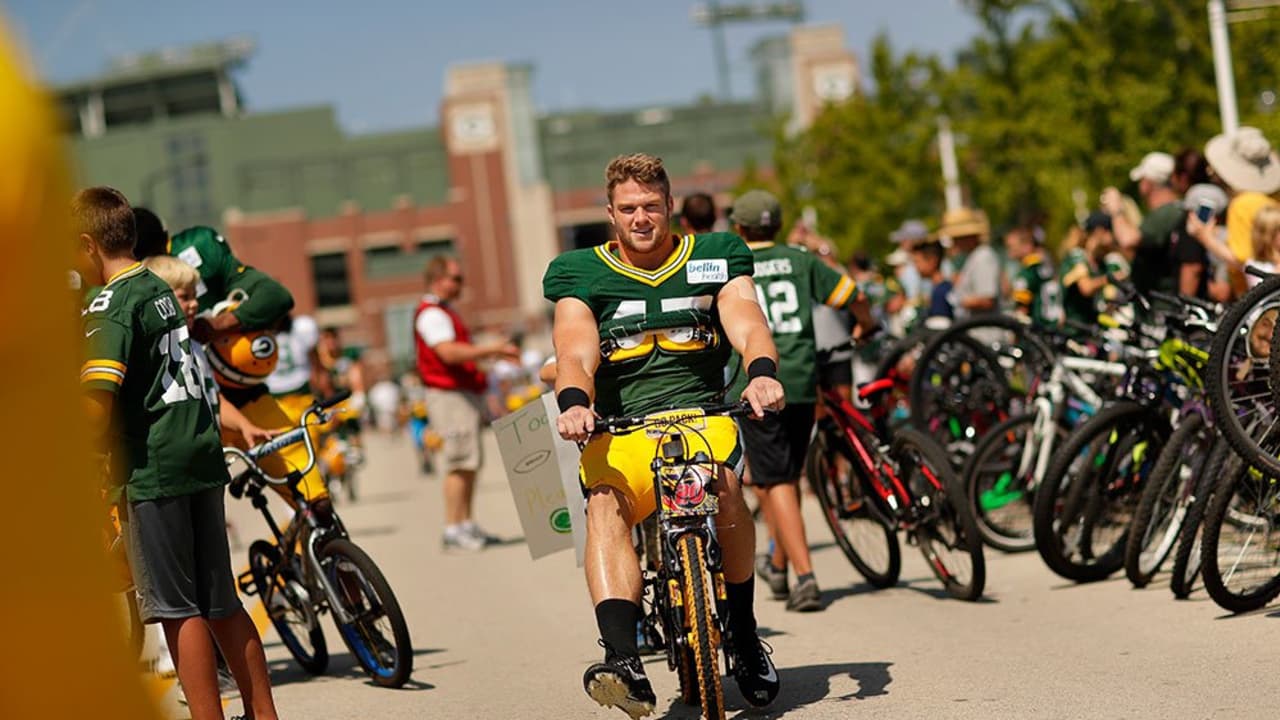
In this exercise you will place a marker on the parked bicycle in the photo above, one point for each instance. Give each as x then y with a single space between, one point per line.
312 567
870 487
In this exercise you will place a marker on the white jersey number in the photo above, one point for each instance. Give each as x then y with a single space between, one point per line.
781 306
180 376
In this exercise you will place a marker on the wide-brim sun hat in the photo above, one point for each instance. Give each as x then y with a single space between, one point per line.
964 222
1245 160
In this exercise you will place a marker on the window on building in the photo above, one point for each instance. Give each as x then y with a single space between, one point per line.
332 284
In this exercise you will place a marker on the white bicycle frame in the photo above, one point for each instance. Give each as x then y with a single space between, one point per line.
1064 376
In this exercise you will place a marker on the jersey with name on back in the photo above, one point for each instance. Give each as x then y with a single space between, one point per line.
662 344
789 284
137 348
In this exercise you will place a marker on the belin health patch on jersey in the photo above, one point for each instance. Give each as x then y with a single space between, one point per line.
706 271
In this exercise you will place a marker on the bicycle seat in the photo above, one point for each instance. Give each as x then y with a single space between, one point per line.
872 390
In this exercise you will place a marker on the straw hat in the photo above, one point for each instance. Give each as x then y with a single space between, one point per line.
1245 161
964 222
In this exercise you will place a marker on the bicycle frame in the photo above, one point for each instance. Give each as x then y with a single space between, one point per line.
854 426
252 481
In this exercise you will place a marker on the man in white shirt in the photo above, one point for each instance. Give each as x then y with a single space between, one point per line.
447 365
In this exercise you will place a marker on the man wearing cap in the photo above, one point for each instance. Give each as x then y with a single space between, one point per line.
977 285
789 282
1192 247
1150 242
905 237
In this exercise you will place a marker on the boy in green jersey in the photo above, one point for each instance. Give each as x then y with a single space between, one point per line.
1036 293
789 283
645 323
145 401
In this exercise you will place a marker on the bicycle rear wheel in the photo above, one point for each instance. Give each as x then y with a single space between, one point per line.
1162 509
1000 484
704 633
289 608
863 533
945 528
377 634
1240 548
1086 501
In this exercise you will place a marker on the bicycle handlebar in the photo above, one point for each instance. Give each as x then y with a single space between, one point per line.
291 437
618 424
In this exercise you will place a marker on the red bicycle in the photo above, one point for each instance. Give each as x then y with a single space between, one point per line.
871 486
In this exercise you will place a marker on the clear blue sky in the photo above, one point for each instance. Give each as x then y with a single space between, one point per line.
381 63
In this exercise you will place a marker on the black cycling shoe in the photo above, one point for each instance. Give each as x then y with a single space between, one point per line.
753 670
620 682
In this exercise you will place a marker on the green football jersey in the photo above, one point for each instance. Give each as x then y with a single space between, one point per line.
1076 306
661 342
138 349
789 281
1036 291
267 301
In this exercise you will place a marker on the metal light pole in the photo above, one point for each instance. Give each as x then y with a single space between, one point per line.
1222 66
950 169
715 15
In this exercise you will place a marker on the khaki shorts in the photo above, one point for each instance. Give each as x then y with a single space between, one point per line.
457 416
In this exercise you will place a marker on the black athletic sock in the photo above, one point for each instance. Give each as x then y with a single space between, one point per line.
742 614
617 620
802 579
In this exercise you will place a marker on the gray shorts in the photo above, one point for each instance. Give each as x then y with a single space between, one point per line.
180 559
457 416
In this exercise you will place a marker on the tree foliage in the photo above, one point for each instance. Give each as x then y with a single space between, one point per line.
1052 98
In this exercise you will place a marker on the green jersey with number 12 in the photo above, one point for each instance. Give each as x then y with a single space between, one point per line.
138 349
789 282
661 342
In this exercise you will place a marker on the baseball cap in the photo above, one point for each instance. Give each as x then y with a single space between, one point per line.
1097 219
910 231
1155 166
1208 194
756 208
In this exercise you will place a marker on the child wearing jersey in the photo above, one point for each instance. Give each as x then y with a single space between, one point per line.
144 399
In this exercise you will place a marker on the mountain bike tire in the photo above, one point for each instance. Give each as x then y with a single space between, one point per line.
1244 504
887 368
387 666
946 522
1037 357
998 510
1085 501
864 534
704 633
1186 559
1157 522
1231 372
303 638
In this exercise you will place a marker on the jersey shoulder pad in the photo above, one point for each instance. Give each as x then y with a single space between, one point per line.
727 246
571 275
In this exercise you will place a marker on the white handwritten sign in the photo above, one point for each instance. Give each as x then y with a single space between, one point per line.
542 470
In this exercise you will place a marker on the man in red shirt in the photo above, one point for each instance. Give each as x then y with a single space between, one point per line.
447 364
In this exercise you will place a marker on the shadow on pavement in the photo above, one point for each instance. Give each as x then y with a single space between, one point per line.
342 666
801 687
382 498
373 531
924 586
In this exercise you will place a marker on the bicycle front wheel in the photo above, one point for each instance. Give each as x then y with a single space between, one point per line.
704 633
1000 483
945 528
1240 548
1088 496
1186 559
290 609
863 533
1163 506
377 634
